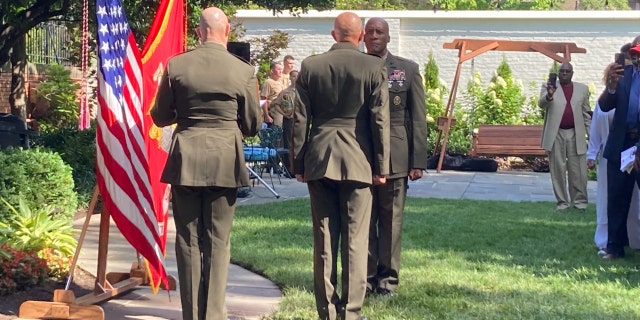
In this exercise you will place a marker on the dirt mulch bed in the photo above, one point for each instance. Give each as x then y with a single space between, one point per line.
82 284
536 164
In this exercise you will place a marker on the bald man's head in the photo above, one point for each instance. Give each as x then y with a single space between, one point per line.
214 26
348 28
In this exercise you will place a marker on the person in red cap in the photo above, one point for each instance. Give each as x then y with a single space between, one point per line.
622 94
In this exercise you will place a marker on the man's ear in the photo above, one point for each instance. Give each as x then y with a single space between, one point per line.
333 34
361 36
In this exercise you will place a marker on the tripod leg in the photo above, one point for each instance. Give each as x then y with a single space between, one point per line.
263 182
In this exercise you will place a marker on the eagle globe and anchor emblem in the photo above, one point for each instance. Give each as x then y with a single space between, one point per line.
287 104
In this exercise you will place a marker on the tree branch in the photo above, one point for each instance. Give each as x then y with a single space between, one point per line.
24 21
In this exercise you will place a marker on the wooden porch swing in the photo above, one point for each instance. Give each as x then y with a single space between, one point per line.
471 48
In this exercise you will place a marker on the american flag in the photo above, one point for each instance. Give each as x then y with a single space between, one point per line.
122 165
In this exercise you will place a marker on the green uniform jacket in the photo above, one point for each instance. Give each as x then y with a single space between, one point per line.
341 119
408 120
212 96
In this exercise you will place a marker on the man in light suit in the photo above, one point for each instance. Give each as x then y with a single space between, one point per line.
566 124
623 95
340 147
408 159
212 96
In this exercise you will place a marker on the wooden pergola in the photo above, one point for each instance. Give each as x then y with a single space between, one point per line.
471 48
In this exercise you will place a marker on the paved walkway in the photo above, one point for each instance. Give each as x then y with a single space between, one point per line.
252 296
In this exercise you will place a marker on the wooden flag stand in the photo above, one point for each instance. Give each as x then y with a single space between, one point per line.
108 285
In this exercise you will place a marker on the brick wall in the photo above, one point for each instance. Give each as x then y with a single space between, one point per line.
416 33
35 74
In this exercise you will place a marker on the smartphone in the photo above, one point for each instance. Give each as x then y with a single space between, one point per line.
620 59
552 79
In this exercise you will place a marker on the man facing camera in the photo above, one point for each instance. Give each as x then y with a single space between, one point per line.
566 123
408 128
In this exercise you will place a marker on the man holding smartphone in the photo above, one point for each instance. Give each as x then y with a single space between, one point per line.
566 124
623 95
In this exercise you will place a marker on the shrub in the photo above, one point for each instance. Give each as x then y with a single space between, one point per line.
38 231
435 91
34 230
58 264
20 270
264 50
62 94
78 150
459 140
501 101
39 177
531 112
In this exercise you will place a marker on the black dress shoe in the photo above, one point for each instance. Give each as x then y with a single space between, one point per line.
385 292
369 292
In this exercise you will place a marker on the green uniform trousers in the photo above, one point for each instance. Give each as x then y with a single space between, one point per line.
385 234
203 218
341 211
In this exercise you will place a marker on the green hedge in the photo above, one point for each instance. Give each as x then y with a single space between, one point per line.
40 178
78 150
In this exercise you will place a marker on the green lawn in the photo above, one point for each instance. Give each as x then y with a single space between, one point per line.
461 259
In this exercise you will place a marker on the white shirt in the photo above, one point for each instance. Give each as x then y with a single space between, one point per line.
599 131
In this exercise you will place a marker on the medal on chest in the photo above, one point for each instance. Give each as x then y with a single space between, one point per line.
398 77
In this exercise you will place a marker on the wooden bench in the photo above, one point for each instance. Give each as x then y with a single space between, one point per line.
507 140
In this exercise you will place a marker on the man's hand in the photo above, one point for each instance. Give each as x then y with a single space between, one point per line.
636 164
551 89
591 163
615 73
300 178
267 118
415 174
378 180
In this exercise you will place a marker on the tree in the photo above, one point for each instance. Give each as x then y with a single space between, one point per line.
370 5
18 17
512 4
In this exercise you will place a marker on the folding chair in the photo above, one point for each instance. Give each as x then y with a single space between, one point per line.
271 138
257 157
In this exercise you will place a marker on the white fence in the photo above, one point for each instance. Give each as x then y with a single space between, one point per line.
416 33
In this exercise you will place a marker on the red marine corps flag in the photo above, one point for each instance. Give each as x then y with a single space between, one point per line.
166 38
121 161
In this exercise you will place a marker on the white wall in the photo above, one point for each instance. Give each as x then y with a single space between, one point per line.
416 33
